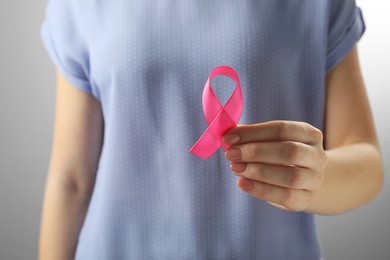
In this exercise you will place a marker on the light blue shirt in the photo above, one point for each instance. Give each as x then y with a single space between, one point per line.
147 62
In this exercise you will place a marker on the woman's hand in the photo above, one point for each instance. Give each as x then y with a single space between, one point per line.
281 162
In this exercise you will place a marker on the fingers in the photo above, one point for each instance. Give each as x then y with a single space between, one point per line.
285 198
283 176
282 153
274 131
281 162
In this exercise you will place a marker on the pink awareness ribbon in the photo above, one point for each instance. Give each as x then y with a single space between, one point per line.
219 118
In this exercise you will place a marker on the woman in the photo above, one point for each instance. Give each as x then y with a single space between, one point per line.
122 184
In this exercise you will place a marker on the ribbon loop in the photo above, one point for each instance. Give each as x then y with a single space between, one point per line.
219 118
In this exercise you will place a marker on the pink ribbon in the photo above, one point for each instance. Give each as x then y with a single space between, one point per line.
219 118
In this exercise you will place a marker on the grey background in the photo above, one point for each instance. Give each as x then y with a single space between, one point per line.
27 82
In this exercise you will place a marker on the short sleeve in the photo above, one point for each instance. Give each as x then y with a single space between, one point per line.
346 27
64 41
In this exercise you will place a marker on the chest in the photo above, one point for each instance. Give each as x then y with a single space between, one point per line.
145 55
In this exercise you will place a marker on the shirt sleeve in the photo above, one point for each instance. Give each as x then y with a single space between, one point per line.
65 44
346 27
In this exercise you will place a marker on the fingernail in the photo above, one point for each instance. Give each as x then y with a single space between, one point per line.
233 154
230 139
245 184
238 167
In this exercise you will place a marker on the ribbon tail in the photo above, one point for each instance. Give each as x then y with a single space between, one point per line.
205 147
211 139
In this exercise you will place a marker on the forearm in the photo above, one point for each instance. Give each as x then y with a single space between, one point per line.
64 210
353 177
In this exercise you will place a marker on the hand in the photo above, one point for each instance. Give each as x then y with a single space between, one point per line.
281 162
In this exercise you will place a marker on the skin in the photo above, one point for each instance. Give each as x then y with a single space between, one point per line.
295 167
287 164
77 143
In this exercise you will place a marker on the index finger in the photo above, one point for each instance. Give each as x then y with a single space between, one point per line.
274 131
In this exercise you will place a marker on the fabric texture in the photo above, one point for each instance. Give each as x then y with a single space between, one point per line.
147 62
